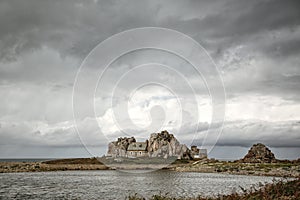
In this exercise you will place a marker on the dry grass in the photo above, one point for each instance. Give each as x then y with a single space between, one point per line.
277 190
52 165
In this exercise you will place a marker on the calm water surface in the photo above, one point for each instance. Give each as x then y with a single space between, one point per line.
117 185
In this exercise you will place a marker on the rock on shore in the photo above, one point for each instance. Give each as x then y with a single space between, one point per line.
259 153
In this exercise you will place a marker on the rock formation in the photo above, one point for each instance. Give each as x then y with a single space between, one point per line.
166 145
162 145
119 148
259 153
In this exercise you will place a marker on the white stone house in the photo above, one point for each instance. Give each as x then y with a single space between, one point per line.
137 149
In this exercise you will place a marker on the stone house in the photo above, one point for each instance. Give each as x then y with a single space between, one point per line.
198 153
137 149
202 153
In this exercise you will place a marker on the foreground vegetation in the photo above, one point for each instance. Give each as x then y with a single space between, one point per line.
278 190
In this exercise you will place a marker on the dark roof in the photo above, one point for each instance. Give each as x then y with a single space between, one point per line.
137 146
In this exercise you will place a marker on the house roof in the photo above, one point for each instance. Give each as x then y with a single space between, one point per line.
137 146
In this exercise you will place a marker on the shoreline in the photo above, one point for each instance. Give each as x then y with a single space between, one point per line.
280 169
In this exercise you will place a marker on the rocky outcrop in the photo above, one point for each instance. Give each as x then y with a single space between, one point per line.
166 145
161 145
259 153
119 148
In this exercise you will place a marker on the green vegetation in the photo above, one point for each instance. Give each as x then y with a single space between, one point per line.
277 190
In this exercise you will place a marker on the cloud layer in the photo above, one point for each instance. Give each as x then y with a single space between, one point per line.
255 44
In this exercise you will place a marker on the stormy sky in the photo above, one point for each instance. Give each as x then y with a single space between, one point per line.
254 44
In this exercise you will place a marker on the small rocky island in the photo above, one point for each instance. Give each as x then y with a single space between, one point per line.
160 145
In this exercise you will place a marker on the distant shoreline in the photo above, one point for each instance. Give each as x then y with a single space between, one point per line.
26 159
52 165
283 169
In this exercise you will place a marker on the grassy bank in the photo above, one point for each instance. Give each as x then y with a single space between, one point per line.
52 165
277 190
282 169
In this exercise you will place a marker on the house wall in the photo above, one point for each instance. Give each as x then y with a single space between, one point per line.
136 153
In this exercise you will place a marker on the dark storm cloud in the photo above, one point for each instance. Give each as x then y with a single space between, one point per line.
238 18
285 48
76 27
71 27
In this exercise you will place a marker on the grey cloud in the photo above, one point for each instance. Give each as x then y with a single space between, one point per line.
284 49
35 102
63 134
280 134
75 28
42 67
273 134
42 43
244 17
70 27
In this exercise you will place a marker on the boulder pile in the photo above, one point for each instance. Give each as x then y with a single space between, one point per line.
259 153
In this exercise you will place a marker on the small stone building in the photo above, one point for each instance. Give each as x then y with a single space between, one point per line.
202 153
198 153
137 149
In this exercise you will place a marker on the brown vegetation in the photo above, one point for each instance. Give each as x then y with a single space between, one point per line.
52 165
277 190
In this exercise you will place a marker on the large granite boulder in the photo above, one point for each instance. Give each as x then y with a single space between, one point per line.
165 145
119 148
259 153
